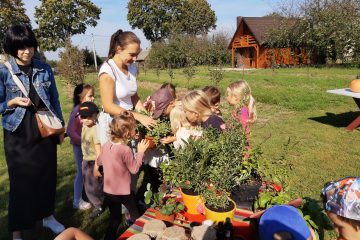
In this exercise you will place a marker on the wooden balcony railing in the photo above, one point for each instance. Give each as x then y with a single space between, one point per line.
244 41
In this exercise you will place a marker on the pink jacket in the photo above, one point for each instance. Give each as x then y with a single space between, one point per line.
242 116
118 163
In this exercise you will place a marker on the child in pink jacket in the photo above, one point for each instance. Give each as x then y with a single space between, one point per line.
119 163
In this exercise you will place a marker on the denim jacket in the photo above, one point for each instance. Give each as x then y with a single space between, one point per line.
44 84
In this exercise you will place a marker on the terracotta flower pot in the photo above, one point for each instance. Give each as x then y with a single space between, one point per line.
191 202
355 85
167 218
152 143
217 217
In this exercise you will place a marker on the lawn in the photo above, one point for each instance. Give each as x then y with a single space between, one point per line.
299 126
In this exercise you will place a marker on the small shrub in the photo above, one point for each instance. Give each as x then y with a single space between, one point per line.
71 65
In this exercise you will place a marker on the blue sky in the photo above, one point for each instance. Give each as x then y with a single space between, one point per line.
114 12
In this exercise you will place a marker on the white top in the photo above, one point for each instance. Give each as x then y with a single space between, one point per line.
125 86
182 136
154 157
345 92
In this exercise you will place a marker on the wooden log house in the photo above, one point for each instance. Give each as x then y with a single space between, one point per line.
248 45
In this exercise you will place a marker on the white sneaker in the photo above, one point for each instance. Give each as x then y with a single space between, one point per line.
53 224
82 205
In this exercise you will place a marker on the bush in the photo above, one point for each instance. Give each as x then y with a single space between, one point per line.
183 50
71 65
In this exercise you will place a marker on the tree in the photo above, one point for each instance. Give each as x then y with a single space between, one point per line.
11 12
71 65
160 18
59 20
89 58
197 17
328 29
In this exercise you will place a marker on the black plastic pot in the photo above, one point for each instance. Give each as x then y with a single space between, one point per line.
244 195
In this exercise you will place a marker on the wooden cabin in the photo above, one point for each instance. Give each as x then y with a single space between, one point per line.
248 45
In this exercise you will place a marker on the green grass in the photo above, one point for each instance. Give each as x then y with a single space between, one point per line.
291 104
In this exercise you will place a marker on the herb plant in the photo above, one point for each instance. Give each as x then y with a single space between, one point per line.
160 130
310 210
167 205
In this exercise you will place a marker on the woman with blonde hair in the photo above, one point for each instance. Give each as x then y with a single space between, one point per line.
198 111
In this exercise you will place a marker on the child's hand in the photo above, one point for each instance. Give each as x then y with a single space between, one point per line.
142 146
96 171
168 139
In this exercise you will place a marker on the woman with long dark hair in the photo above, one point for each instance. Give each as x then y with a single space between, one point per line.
118 87
31 159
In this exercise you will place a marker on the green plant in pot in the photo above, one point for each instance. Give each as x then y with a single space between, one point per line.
160 130
165 206
187 170
231 164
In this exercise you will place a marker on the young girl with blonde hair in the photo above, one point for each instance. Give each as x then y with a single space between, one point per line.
119 163
181 127
198 111
239 96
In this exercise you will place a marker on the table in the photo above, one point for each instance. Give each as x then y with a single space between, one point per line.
242 229
356 96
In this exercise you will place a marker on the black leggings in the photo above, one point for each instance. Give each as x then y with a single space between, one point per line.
114 203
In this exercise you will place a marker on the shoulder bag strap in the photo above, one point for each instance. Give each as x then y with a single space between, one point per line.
16 79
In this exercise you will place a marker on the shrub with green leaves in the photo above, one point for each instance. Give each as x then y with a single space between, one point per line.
160 130
310 210
188 168
232 164
217 159
167 205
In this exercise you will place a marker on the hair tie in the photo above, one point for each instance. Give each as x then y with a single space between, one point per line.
118 32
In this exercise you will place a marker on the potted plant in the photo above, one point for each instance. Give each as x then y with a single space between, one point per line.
165 206
187 170
159 131
232 164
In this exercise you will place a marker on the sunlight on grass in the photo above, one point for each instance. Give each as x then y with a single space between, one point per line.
292 104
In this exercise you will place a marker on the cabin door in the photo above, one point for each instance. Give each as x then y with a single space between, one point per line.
252 57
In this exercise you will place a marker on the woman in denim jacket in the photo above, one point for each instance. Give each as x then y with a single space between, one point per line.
31 159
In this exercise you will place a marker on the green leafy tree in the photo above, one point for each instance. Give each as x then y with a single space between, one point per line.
329 30
11 12
158 19
197 17
71 65
89 58
59 20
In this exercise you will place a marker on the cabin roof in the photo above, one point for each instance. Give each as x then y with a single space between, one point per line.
142 55
259 26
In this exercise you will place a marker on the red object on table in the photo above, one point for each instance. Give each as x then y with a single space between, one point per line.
241 228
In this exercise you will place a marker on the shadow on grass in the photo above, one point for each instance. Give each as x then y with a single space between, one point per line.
337 120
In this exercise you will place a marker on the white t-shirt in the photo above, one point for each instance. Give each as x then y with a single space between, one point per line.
183 134
125 86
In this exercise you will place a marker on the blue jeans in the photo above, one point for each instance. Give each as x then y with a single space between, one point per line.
78 181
